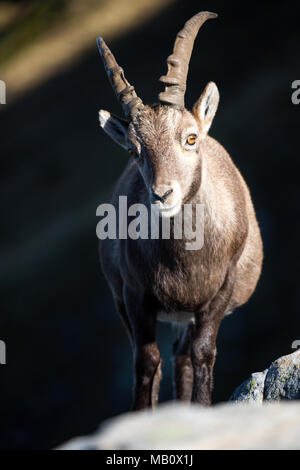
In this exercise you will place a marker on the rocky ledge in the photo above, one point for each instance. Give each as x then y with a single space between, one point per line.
281 381
263 414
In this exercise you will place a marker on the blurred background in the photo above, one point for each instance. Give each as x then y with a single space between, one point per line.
69 362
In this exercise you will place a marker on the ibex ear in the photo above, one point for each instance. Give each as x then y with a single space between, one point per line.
205 108
115 127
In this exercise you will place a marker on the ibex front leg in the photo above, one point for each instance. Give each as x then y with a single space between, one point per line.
142 315
183 368
204 337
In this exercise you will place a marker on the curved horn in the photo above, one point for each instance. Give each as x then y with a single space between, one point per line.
125 93
178 62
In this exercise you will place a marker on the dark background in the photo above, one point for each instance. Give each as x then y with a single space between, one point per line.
69 363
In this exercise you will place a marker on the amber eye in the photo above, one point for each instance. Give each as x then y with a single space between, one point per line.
191 140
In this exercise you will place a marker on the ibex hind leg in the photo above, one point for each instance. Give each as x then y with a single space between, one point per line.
121 309
183 367
142 314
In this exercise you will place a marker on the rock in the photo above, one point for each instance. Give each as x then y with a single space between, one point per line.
238 425
182 427
281 381
252 390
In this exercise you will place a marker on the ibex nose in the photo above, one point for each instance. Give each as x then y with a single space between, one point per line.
162 198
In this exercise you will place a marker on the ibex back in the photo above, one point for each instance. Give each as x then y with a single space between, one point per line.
176 163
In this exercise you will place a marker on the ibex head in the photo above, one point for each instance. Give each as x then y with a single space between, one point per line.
165 139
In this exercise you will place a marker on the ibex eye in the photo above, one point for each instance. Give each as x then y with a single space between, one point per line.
191 140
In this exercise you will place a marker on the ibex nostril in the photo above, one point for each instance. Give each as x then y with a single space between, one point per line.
162 198
167 193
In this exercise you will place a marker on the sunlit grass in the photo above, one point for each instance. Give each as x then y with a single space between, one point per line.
30 22
8 13
47 36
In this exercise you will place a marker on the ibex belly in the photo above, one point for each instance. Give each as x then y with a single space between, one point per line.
182 293
176 317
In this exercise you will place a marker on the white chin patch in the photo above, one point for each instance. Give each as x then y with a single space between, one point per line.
170 211
166 210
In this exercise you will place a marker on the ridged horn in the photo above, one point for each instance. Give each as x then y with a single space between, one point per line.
125 93
178 61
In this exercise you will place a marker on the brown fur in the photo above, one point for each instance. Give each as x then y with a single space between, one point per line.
150 276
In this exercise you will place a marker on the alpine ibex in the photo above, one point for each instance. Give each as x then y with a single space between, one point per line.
175 163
